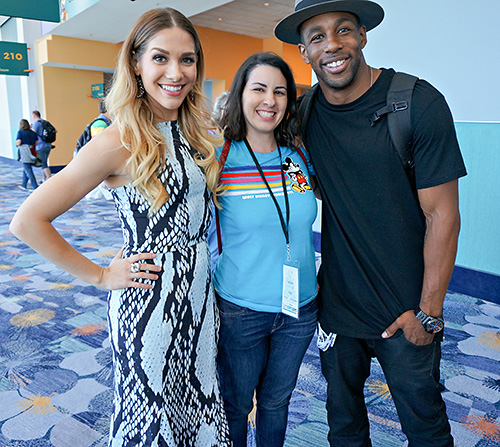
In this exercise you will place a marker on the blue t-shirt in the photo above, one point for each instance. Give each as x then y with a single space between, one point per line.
249 271
38 129
26 136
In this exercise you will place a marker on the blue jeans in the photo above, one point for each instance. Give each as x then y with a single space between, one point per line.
44 155
412 374
262 352
29 175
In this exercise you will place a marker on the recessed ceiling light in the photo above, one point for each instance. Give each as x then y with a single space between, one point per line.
219 19
266 4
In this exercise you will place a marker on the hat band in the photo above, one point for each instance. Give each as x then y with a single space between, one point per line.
306 3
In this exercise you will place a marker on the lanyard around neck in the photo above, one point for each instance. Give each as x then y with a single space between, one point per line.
284 225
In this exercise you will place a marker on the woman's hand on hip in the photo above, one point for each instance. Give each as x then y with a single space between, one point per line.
125 272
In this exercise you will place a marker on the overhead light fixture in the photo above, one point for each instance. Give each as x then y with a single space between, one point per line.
266 4
220 19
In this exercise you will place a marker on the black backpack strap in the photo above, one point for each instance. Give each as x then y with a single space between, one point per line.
305 106
398 111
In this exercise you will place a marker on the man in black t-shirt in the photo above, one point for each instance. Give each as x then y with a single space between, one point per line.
389 237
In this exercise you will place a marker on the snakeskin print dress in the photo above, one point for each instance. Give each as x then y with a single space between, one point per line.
166 391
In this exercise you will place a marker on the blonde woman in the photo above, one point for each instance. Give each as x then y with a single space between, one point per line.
157 158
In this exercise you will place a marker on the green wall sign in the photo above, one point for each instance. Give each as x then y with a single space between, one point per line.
97 90
47 10
13 59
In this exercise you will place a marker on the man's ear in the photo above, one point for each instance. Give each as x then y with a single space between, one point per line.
303 53
363 39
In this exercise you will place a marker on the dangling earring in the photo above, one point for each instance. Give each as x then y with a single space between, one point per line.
191 96
140 86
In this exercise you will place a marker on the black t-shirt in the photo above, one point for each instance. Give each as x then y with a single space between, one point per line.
373 227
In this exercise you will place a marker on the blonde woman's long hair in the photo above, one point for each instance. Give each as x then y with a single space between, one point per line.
134 116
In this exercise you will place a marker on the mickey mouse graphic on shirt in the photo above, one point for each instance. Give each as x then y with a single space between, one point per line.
295 174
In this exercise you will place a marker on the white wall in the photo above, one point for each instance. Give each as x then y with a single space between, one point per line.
453 44
5 133
17 93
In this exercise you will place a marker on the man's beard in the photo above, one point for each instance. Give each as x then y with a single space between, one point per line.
340 83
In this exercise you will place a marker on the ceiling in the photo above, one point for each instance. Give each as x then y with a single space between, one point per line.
111 20
255 18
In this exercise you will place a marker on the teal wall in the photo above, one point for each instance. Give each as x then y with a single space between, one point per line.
479 243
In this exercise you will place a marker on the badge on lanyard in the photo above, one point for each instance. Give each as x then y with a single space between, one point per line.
290 299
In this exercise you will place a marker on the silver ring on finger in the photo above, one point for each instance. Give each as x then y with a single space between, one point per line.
135 267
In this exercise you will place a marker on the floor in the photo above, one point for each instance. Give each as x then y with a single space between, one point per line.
55 360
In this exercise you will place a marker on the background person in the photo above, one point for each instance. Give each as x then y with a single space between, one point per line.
217 113
157 157
25 139
389 237
219 107
94 128
102 121
43 148
266 221
98 125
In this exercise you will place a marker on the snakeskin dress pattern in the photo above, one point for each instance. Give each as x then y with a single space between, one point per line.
166 391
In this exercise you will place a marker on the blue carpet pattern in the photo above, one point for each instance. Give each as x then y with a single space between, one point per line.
55 360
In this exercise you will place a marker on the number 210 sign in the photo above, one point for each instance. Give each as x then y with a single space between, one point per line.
13 59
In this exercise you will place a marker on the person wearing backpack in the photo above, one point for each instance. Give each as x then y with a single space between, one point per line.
94 128
44 145
101 122
389 233
91 130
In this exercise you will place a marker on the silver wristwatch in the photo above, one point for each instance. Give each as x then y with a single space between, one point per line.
432 325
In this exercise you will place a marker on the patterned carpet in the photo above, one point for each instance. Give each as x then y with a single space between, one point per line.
55 360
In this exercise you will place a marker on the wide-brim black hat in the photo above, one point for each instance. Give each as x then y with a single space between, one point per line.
370 14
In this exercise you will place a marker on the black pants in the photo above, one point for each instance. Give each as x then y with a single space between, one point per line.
412 374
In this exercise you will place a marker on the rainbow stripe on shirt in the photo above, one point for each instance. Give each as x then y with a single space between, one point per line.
245 180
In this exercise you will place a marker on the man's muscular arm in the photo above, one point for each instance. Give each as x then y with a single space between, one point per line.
440 207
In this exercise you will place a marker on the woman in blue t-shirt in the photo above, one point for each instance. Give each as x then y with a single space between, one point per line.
265 277
24 140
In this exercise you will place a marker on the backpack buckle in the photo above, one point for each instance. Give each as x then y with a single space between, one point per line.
379 114
398 106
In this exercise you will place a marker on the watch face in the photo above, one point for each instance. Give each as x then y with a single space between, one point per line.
434 326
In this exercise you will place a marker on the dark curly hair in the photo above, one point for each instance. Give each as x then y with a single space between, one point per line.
233 121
